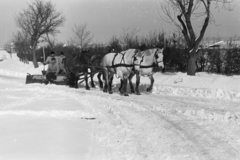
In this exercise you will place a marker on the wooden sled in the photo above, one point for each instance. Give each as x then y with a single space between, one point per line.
39 78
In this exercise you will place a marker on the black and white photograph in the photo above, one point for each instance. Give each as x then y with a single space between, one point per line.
120 80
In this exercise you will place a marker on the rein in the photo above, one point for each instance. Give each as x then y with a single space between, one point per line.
149 66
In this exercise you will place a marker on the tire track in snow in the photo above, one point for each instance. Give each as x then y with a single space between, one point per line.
205 144
215 145
119 112
142 132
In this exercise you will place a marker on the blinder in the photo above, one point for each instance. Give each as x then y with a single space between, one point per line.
134 58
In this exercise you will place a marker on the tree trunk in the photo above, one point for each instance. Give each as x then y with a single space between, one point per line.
35 64
191 70
33 47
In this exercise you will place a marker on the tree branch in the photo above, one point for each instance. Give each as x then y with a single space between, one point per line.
184 30
204 27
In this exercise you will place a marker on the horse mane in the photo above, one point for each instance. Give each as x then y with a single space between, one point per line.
84 58
139 53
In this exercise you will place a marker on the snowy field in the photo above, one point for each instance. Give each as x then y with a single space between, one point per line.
184 118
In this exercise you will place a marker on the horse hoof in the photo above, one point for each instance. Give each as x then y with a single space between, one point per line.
87 88
110 92
125 94
138 93
149 89
121 91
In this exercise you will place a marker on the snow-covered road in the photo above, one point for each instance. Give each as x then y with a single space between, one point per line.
57 122
163 127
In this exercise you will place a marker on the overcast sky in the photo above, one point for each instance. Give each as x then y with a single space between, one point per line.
105 18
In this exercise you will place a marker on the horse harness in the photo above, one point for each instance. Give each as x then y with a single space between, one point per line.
122 60
153 64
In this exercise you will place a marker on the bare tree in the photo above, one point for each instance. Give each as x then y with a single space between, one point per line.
182 13
115 44
153 39
7 46
22 42
38 20
130 38
51 41
81 36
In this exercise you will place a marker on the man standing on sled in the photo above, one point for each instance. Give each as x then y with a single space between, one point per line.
49 58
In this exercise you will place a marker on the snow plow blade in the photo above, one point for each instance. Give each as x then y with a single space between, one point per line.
61 79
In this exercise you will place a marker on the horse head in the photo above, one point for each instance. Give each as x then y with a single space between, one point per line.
158 59
84 58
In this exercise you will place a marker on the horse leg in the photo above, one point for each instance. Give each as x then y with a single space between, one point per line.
130 82
151 85
99 80
92 82
137 84
76 78
110 84
86 79
69 80
105 77
121 86
125 81
72 80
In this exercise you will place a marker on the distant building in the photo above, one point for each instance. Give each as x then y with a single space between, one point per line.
222 44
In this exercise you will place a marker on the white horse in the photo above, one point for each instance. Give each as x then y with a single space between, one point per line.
120 64
151 62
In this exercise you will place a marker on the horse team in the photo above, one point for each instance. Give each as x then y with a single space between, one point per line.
124 65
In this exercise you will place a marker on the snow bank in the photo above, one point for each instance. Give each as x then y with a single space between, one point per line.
202 85
198 92
12 66
4 55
